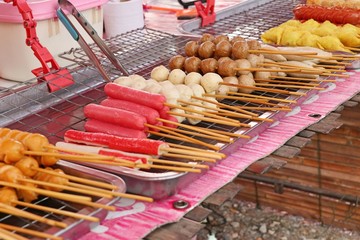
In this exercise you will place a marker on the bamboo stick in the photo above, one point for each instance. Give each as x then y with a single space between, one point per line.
191 152
177 163
7 235
29 232
193 158
53 185
267 51
223 105
231 134
264 89
218 154
180 138
222 139
21 213
303 79
263 97
57 211
78 179
117 194
287 86
287 82
212 120
267 70
176 169
187 109
243 99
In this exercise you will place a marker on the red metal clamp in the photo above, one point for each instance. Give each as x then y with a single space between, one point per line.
207 13
50 71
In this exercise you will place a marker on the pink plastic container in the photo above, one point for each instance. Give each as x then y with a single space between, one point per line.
16 58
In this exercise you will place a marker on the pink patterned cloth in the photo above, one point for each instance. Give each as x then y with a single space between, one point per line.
134 220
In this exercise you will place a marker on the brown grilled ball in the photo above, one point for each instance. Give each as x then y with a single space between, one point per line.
253 44
191 48
208 65
235 39
221 38
206 50
177 62
207 37
223 49
223 59
227 68
240 50
192 64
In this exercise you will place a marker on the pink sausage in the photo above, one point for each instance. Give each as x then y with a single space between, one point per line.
134 145
92 125
164 112
116 116
152 100
149 113
173 119
124 155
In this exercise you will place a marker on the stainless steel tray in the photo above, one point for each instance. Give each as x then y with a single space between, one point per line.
76 227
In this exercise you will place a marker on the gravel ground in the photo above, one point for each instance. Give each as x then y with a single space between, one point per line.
242 220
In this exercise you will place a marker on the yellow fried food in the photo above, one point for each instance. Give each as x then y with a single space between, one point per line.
290 36
331 43
273 35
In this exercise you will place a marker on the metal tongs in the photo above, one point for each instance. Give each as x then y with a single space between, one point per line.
69 7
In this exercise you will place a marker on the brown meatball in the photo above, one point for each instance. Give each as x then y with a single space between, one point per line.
235 39
223 49
191 48
220 38
208 65
192 64
227 68
223 59
253 44
206 49
240 50
207 37
177 62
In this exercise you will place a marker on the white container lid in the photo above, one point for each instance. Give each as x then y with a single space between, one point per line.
42 9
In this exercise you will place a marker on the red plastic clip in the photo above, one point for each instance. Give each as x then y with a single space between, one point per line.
50 71
207 13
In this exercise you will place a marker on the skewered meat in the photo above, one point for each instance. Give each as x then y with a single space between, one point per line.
177 76
227 68
232 80
206 50
176 62
220 38
191 48
49 160
11 150
8 196
160 73
208 65
223 49
236 39
185 92
243 64
192 64
207 37
240 50
193 77
115 115
92 125
246 80
155 101
210 82
26 165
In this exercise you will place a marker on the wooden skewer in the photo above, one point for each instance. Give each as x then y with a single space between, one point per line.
183 164
267 70
353 49
194 128
7 235
335 75
116 194
323 57
191 152
29 232
231 134
100 157
222 139
224 105
254 118
212 120
21 213
265 89
263 97
266 108
347 56
267 51
218 154
243 99
303 79
194 158
41 183
115 162
302 69
215 109
332 62
63 196
187 109
183 138
78 179
287 86
57 211
288 82
176 169
329 66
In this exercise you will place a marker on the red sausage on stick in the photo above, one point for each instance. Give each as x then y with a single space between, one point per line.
149 113
152 100
115 116
134 145
92 125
